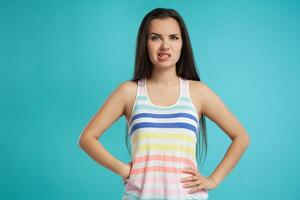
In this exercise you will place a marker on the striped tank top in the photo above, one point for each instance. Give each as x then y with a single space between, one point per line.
163 142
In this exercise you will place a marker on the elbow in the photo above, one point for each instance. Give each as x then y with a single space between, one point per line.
84 141
81 141
243 139
246 140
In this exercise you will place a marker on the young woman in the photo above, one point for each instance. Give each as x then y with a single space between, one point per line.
165 105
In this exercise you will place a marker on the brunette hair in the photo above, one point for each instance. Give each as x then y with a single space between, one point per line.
185 66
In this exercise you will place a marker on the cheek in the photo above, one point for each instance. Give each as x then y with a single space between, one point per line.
179 46
151 52
178 49
151 48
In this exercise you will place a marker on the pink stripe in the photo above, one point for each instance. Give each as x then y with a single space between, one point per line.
162 191
174 159
156 169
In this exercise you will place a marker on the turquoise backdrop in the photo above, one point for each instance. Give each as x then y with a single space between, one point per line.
60 60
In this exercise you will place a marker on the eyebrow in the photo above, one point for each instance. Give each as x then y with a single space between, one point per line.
160 34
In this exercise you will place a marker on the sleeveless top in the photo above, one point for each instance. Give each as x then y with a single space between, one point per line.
163 142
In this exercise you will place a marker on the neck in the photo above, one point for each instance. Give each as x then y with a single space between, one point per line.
164 76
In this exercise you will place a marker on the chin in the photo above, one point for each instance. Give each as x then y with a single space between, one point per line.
163 66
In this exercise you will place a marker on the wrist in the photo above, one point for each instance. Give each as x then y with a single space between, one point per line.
125 172
214 180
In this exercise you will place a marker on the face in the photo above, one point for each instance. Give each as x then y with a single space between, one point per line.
164 42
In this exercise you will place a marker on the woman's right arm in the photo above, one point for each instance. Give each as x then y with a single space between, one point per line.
110 112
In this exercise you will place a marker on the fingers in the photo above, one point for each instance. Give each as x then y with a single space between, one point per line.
188 179
192 184
196 181
196 188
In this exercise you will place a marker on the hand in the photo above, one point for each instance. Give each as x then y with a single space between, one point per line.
197 182
126 173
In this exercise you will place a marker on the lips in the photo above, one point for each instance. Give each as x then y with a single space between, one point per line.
163 54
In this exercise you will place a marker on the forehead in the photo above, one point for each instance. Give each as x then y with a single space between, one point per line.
164 26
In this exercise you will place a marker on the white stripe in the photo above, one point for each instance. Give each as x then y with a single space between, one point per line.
166 153
152 163
165 131
167 141
165 120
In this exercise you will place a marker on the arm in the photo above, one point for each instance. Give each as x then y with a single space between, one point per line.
111 111
213 107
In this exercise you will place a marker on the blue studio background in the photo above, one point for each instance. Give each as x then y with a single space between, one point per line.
60 60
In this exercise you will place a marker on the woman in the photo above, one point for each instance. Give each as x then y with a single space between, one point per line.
165 105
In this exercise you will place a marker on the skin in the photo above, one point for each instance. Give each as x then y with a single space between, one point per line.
163 84
167 39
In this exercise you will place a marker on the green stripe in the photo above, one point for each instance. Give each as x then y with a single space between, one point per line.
143 97
150 107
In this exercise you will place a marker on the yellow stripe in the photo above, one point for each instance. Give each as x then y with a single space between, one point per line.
164 147
178 136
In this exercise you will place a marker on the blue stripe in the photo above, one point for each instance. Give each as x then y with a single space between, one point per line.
163 125
173 115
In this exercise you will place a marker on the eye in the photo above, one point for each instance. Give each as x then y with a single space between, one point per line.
174 37
154 37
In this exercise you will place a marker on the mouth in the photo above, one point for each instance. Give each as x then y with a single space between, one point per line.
163 56
160 54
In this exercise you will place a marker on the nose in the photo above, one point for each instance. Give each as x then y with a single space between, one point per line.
165 44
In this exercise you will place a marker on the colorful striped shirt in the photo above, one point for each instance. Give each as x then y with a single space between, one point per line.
163 142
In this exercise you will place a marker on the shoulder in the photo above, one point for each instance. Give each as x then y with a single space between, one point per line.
198 87
206 96
127 89
201 93
196 84
128 86
201 89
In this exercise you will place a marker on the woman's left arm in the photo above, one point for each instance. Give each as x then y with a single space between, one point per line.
213 107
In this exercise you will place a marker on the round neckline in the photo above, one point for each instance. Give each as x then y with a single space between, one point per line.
178 99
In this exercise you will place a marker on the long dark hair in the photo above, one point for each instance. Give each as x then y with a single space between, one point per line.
185 67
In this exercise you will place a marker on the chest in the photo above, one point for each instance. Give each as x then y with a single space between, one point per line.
163 97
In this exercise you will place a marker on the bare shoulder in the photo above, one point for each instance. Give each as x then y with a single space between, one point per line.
195 88
198 85
129 90
198 91
200 88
